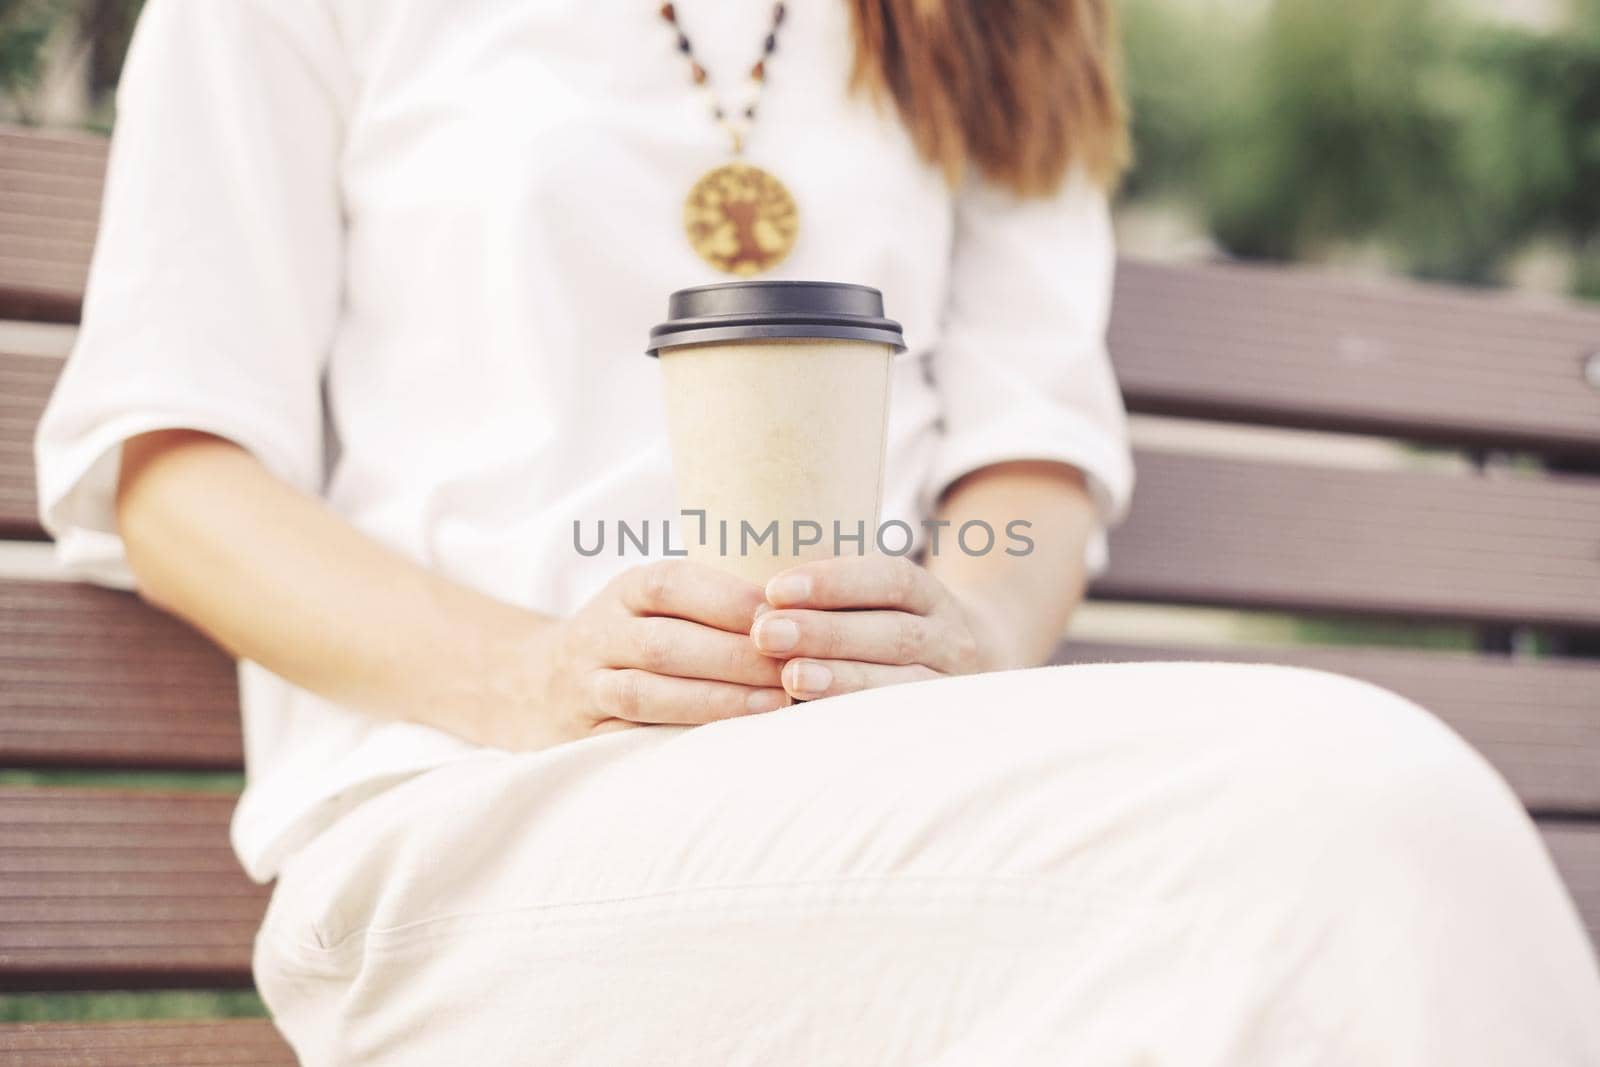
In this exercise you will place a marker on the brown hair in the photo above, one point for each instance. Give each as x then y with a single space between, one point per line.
1023 90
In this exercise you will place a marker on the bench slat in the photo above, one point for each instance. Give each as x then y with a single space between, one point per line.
1301 349
1416 545
235 1042
25 385
1537 721
1576 849
94 677
112 933
1282 347
65 145
77 912
55 178
1422 545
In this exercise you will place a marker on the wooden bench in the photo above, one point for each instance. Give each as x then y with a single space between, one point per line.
106 888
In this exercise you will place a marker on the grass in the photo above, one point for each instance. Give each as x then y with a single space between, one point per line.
1443 637
111 1007
219 782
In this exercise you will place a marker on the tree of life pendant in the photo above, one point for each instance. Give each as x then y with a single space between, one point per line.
740 219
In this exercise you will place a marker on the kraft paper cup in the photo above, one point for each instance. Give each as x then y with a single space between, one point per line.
777 400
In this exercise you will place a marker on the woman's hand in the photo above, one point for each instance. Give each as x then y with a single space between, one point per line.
860 622
866 621
664 642
274 576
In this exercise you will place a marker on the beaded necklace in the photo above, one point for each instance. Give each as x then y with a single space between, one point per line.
738 217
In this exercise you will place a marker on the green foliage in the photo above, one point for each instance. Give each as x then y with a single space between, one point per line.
1329 127
98 29
25 25
1586 282
1179 75
1548 127
1452 142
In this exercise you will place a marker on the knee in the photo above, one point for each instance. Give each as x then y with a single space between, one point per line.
1373 774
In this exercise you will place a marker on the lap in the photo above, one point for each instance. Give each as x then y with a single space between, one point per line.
1106 863
985 777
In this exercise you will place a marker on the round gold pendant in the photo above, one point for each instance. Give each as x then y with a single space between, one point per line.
740 219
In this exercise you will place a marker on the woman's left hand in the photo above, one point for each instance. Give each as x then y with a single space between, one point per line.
860 622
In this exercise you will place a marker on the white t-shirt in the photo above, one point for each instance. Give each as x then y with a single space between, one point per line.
461 218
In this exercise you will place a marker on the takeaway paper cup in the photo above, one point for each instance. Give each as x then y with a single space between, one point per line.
777 408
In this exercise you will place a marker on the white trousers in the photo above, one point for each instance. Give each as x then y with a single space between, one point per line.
1152 863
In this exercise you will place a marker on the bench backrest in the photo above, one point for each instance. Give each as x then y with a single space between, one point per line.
110 887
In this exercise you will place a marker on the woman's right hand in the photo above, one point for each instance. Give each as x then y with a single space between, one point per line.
274 576
664 642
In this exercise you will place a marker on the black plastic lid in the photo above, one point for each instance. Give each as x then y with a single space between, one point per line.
756 311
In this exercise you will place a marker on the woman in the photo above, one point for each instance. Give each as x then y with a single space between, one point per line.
528 806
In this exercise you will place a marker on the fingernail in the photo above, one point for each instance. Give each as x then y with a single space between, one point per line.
776 635
788 589
810 678
764 700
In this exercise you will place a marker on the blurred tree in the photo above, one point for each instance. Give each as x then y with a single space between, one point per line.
1545 133
108 26
1449 141
25 26
1353 123
99 29
1179 71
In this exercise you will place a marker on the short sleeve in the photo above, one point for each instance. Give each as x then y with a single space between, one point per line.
216 280
1021 365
